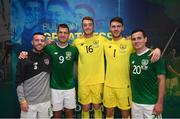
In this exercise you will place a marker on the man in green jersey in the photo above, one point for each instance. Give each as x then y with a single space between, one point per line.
63 56
147 79
62 86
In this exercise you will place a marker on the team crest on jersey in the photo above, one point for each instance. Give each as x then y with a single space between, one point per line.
68 55
122 48
95 44
46 61
144 63
110 46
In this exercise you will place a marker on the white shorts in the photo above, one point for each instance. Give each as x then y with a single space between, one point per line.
63 99
143 111
41 110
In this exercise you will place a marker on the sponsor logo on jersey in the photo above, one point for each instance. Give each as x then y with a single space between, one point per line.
144 63
46 61
68 55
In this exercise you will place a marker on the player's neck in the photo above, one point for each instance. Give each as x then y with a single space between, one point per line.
37 51
62 44
117 38
141 50
88 35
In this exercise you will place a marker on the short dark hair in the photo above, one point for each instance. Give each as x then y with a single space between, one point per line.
117 19
38 33
88 18
139 30
63 26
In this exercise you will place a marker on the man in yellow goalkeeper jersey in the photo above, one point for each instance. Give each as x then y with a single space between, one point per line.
91 69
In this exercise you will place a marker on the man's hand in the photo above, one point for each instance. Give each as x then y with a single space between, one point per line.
50 41
23 55
158 108
155 55
24 106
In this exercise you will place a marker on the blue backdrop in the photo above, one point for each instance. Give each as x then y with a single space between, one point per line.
159 18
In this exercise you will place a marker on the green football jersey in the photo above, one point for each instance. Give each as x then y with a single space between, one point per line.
144 80
62 66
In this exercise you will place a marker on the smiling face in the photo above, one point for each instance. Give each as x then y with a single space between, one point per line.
63 35
38 42
88 27
139 40
116 28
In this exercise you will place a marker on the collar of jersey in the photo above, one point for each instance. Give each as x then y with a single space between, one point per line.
61 46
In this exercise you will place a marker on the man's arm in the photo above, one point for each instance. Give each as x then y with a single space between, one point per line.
22 101
20 86
155 55
158 108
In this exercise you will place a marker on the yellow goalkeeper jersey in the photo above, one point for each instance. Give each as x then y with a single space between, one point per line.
91 69
117 63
